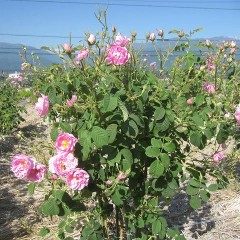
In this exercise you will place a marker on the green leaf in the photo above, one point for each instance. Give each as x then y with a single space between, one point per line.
68 229
208 133
195 202
127 154
169 147
156 169
204 195
156 143
198 120
116 198
65 127
112 132
164 125
137 120
124 110
130 128
152 151
159 113
99 136
195 139
50 207
109 103
54 134
43 232
194 182
199 100
165 160
156 227
63 86
222 135
31 188
213 187
192 190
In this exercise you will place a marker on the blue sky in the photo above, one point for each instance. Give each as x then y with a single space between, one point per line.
26 17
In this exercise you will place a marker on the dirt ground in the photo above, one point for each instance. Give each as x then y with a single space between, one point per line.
19 217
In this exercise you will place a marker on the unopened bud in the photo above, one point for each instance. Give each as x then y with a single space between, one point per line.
114 29
152 37
91 39
181 33
134 34
160 32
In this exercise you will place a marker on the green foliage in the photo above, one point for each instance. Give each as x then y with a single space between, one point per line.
10 108
136 123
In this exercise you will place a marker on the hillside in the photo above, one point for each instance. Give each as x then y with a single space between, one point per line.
10 61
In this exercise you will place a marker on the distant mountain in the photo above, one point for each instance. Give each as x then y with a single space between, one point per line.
10 61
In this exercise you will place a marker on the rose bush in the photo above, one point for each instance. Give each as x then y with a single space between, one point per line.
124 146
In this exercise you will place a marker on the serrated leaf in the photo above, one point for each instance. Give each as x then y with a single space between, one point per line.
130 128
156 169
159 113
195 202
54 134
204 195
31 188
112 132
213 187
156 227
124 110
198 120
199 100
116 198
152 151
195 139
164 125
109 103
50 207
66 127
192 190
137 120
43 232
169 147
165 160
99 136
156 143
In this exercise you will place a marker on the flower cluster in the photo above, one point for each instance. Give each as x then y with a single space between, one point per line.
63 164
25 167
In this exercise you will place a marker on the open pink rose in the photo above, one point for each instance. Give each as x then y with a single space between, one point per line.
65 142
62 163
121 40
77 179
209 87
37 173
22 165
218 156
42 106
82 54
117 55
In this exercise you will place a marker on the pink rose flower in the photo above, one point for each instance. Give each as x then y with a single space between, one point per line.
117 55
218 156
62 163
65 142
37 173
70 102
20 79
82 54
210 65
42 106
237 114
121 176
190 101
74 98
233 51
22 165
209 87
77 179
91 39
121 40
66 47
